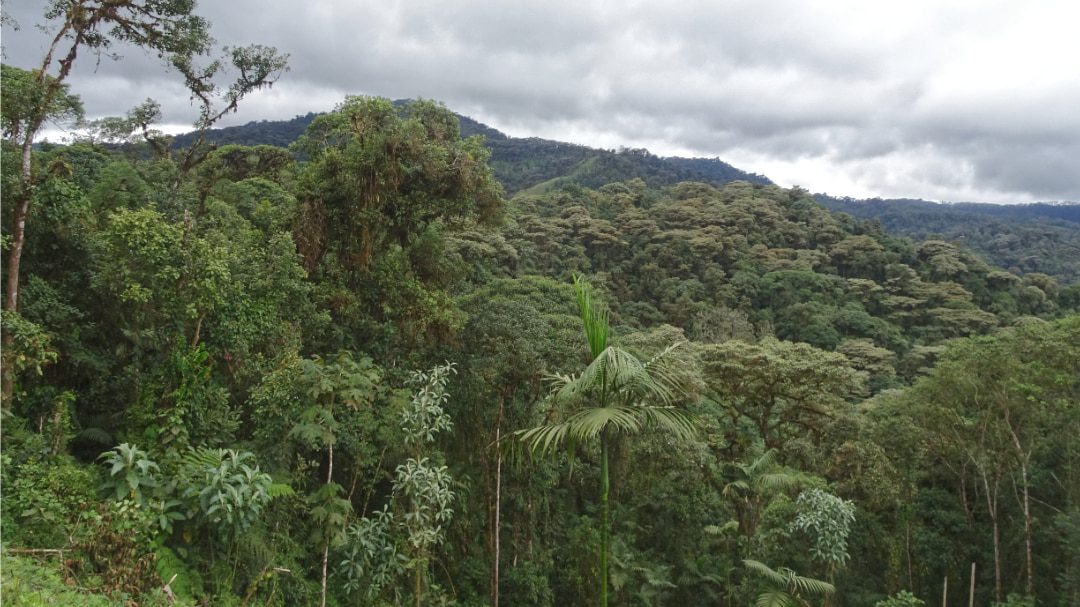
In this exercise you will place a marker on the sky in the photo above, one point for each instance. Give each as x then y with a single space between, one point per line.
953 100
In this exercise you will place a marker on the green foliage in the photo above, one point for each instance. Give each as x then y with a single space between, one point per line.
788 588
28 583
901 599
173 299
132 474
370 560
225 490
32 345
1016 600
44 499
426 489
827 519
378 191
425 416
27 98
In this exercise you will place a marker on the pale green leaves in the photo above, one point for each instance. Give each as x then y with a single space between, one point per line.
827 519
425 416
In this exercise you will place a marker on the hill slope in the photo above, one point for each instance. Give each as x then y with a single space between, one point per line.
522 163
1022 238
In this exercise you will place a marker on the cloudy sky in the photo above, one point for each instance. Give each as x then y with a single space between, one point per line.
937 99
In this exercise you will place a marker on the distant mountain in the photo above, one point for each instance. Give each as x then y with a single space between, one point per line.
1027 238
522 163
1023 238
264 132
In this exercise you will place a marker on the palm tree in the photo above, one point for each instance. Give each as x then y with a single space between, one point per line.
755 483
788 588
618 395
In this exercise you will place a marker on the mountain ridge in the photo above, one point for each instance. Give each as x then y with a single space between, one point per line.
522 163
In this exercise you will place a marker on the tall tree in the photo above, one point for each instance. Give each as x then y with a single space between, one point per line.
165 27
381 186
617 395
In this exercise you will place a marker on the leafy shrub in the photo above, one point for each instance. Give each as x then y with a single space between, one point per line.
27 583
225 489
131 472
45 497
117 546
901 599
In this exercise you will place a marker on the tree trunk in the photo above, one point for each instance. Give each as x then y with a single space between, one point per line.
417 578
1024 459
498 505
991 506
22 203
11 292
1029 586
326 547
605 540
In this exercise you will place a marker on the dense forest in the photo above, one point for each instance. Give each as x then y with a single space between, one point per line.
1022 238
353 371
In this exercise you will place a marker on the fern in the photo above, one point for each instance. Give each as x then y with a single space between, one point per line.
276 490
96 436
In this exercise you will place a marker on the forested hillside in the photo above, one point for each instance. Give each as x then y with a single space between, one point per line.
1038 237
522 163
352 372
1022 238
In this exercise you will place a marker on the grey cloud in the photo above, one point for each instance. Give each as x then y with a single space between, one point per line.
887 96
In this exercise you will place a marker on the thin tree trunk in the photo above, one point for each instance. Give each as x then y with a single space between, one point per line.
907 550
1030 585
416 592
605 539
991 505
971 591
326 547
498 504
1025 458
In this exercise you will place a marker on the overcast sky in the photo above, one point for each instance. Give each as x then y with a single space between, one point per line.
943 100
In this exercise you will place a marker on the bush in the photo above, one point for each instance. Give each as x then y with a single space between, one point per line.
45 498
901 599
27 583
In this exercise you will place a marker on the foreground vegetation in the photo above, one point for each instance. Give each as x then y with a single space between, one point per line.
352 373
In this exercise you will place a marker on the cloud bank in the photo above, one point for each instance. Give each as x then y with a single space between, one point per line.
957 100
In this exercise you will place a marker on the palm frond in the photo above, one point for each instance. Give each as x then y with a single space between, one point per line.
615 371
812 586
546 438
594 319
276 490
777 481
764 462
670 419
775 598
95 435
776 578
735 488
589 423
